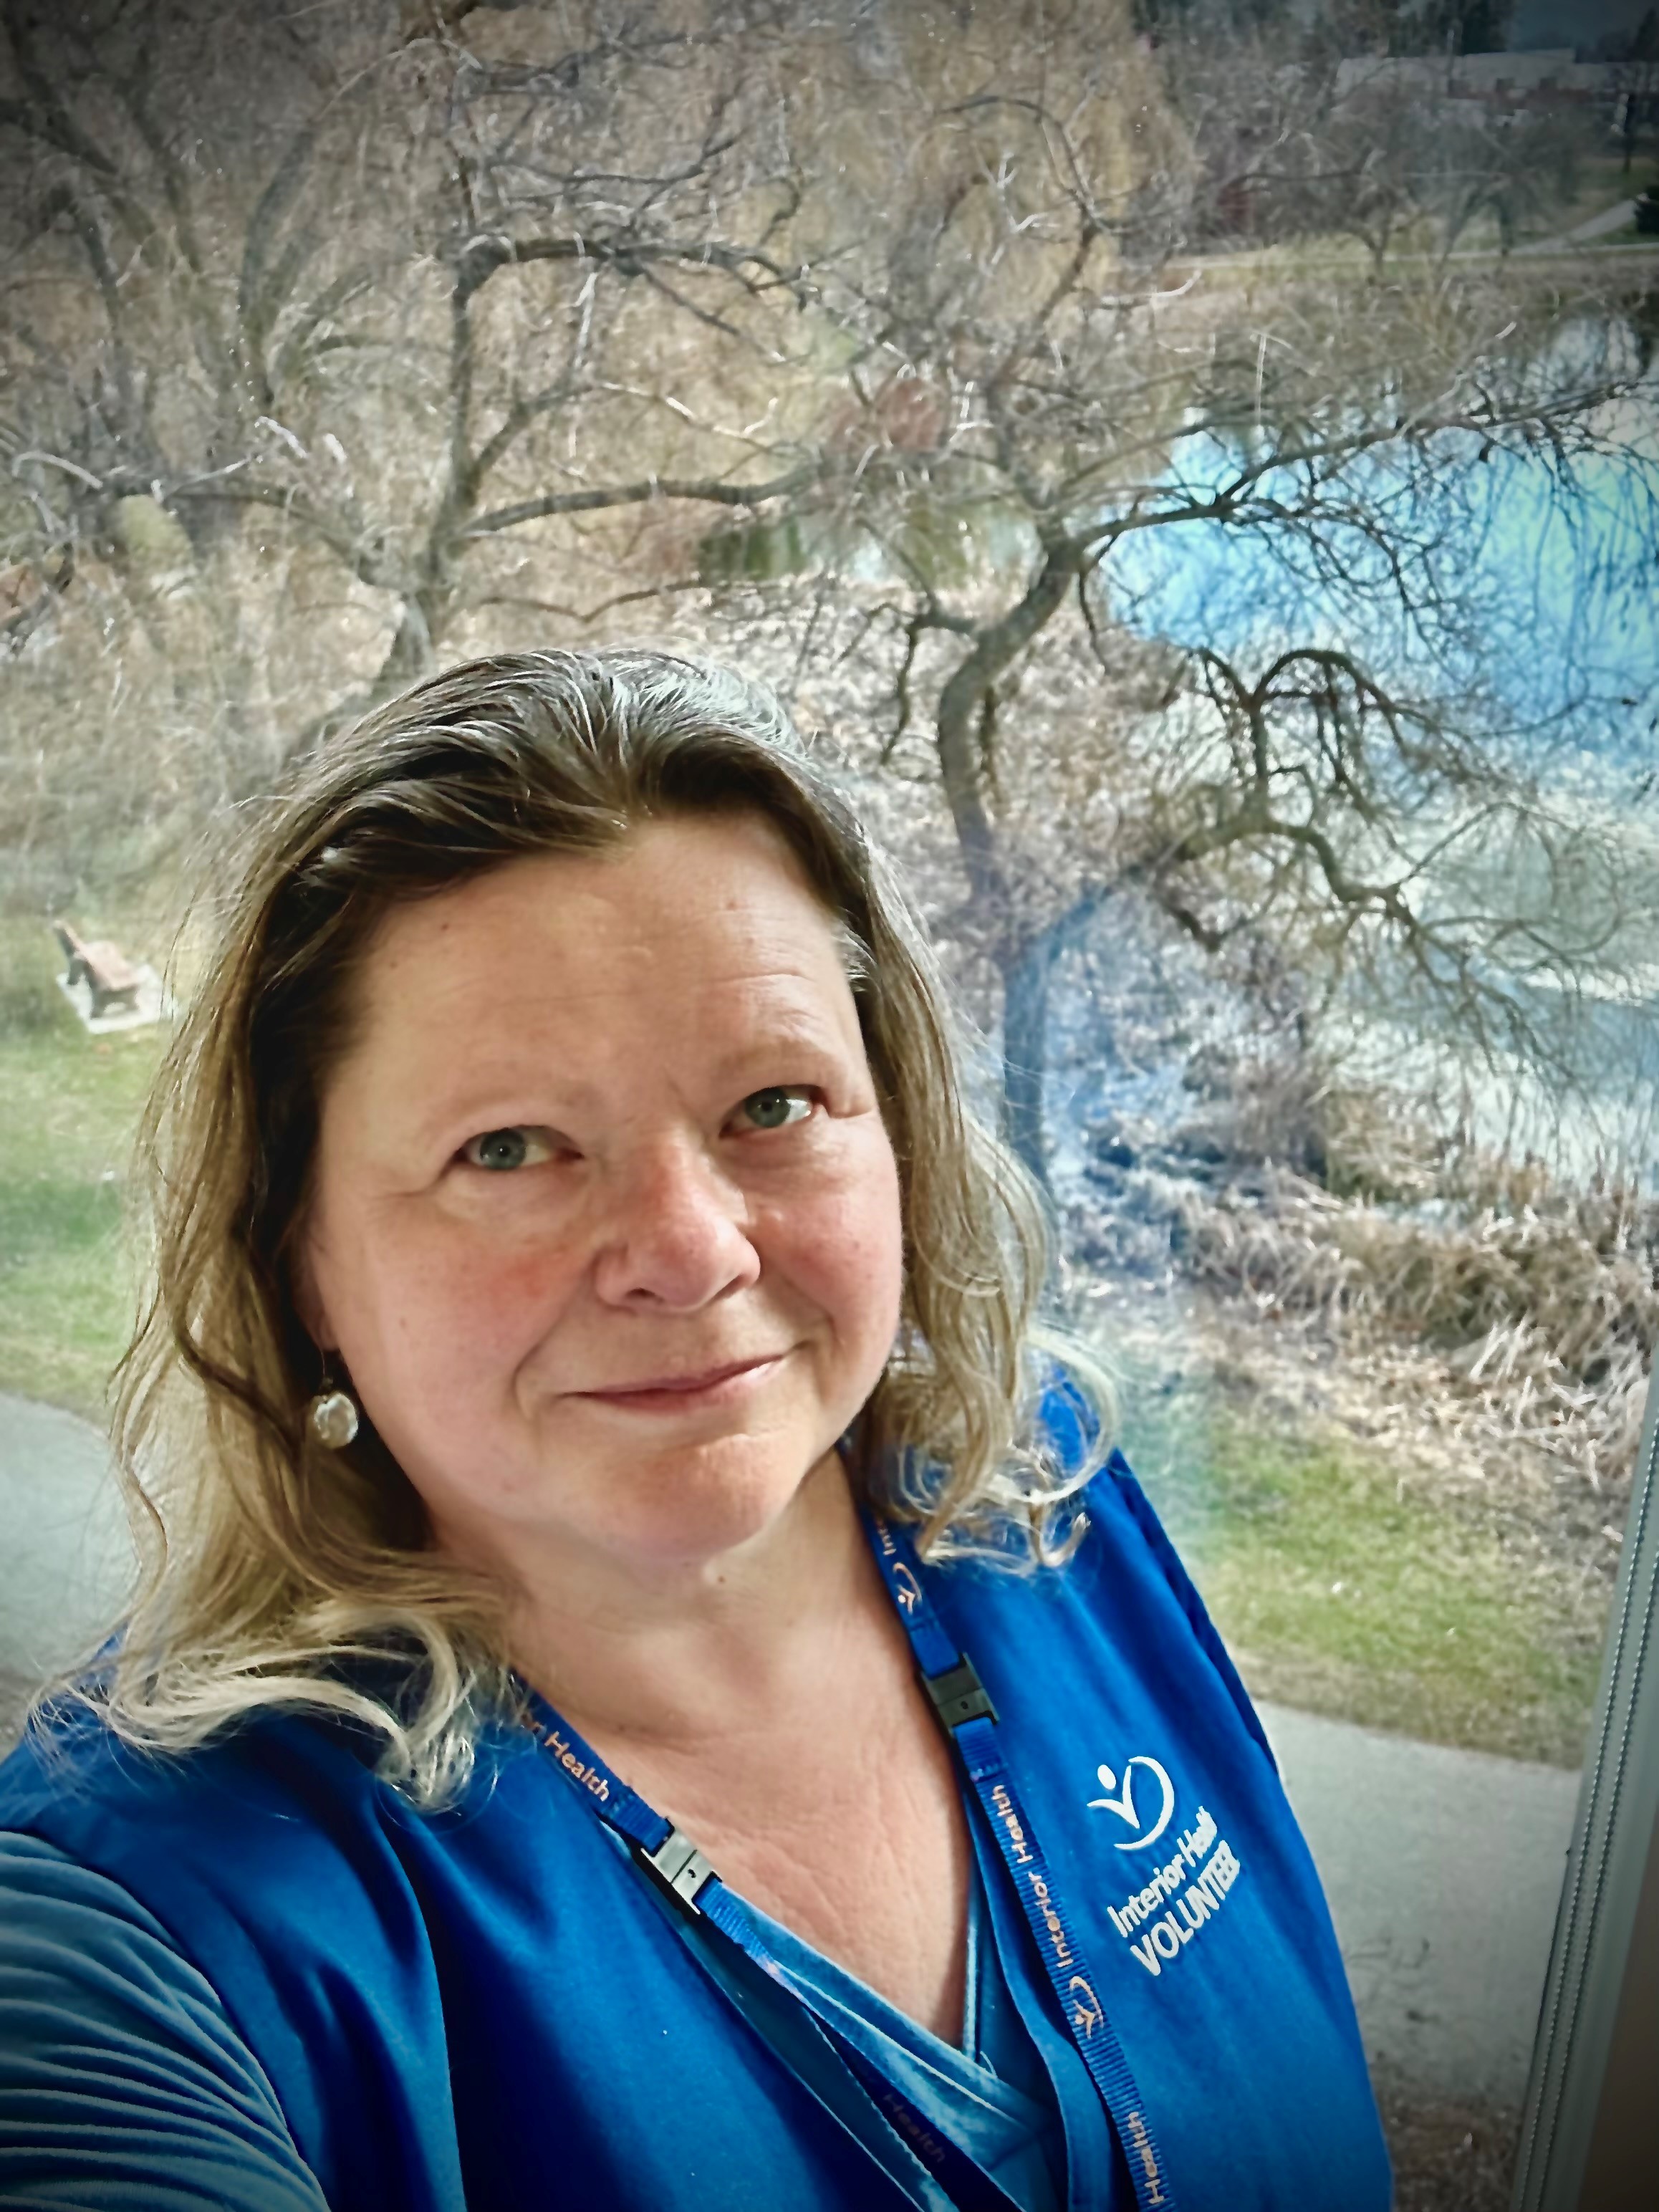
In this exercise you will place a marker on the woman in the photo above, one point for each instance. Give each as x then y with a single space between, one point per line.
591 1433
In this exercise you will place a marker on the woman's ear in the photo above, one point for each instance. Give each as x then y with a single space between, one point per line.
307 1292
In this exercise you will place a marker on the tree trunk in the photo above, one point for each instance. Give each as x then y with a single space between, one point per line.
961 770
410 655
1027 975
1023 960
1024 1051
411 652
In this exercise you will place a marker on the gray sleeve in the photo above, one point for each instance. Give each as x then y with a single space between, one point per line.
123 2083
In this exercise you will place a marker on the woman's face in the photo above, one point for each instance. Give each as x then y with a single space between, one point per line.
605 1222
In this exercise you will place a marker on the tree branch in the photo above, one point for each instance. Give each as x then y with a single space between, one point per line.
713 489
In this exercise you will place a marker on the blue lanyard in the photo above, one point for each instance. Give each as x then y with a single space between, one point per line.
680 1871
965 1711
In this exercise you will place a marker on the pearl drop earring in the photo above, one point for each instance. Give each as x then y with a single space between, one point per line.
332 1416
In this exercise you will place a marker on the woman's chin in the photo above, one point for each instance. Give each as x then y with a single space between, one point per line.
657 1504
705 1513
652 1512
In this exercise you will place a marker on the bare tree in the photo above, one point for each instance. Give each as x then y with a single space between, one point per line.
497 315
1050 388
382 300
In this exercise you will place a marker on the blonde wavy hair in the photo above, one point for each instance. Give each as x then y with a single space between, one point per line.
276 1573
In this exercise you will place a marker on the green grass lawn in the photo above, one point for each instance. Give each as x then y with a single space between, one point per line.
69 1103
1340 1589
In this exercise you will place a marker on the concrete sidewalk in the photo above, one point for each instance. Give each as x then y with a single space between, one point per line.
1618 217
65 1557
1443 1867
1443 1870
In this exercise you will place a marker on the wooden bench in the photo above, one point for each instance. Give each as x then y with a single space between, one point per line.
109 975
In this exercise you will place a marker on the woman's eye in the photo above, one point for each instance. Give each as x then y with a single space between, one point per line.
775 1109
503 1149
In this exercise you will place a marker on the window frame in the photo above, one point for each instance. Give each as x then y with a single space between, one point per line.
1584 2122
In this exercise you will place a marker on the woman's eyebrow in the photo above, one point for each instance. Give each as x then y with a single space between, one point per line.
472 1109
813 1037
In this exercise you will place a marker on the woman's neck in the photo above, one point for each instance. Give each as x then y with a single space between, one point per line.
670 1656
766 1704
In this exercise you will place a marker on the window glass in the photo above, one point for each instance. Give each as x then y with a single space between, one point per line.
1195 462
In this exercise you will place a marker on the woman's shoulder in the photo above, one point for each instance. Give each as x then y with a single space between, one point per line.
267 1760
70 1756
1119 1586
272 1851
1121 1514
1107 1507
283 1805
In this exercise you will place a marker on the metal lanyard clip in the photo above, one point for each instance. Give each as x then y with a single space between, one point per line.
677 1868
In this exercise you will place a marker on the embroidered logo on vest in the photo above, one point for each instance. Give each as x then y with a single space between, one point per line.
1183 1896
1124 1807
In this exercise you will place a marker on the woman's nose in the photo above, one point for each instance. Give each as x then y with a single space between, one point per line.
676 1236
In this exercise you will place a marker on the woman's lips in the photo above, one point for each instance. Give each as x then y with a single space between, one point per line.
684 1394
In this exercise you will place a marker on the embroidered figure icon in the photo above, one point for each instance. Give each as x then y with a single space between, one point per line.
1124 1806
906 1588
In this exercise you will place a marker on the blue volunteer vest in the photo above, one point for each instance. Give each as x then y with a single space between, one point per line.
487 2009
